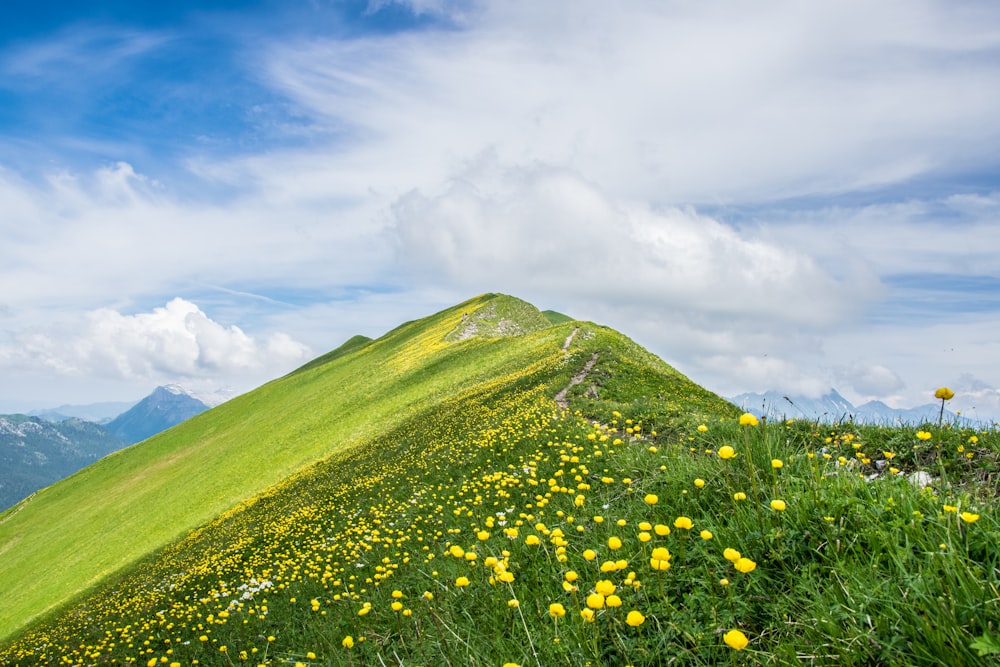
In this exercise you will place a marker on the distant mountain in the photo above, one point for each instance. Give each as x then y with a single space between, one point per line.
35 453
99 413
167 406
832 407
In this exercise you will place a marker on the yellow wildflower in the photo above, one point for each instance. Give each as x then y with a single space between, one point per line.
735 639
683 522
635 618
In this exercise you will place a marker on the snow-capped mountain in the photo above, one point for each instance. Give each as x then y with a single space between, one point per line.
832 407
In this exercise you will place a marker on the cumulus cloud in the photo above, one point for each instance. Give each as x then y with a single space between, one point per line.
872 379
543 229
175 340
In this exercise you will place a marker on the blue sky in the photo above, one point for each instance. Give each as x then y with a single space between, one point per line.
779 196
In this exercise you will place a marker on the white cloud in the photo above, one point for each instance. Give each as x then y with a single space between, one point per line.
176 340
669 102
872 379
549 231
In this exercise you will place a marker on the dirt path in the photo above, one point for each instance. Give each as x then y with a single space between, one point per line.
569 339
575 380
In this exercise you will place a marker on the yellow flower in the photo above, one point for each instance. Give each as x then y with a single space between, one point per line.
739 495
397 594
589 554
702 428
483 535
604 587
923 435
683 522
944 394
778 505
731 554
635 618
661 530
587 614
348 642
595 601
699 482
706 535
969 517
531 540
614 543
397 606
556 610
777 463
747 419
513 604
745 565
644 536
950 508
726 452
660 559
571 576
462 581
735 639
613 601
651 499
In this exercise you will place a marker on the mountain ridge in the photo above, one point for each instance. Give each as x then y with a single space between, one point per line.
832 407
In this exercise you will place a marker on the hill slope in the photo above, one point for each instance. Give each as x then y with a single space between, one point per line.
35 453
140 499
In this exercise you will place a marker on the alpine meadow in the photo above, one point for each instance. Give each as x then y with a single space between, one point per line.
498 486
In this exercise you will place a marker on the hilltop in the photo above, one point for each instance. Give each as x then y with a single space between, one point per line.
539 492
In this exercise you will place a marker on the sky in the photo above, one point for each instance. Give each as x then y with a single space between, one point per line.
770 196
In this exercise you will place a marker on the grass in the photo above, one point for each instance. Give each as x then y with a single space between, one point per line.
489 527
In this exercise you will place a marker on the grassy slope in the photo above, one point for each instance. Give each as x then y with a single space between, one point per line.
134 502
846 571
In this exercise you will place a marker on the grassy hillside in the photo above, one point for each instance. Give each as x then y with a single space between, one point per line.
647 524
140 499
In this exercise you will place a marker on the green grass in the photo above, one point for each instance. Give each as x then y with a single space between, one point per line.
555 317
859 568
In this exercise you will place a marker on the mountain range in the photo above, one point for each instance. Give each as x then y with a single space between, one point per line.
40 449
831 407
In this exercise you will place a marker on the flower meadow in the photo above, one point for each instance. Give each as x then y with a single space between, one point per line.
632 529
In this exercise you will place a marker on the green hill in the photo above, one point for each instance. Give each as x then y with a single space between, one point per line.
481 487
136 501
